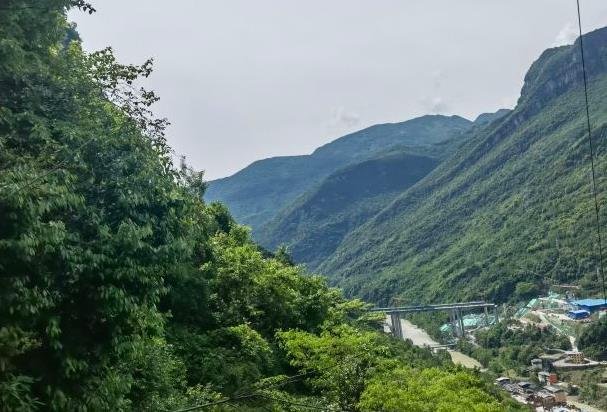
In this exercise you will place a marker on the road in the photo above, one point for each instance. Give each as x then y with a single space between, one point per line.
419 337
573 400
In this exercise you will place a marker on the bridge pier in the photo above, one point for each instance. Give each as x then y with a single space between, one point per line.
461 324
458 325
454 322
397 327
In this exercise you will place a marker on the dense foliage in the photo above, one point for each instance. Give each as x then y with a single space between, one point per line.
315 224
511 346
593 339
512 205
121 290
259 192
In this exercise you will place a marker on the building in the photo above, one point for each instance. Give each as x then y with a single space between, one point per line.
544 399
552 378
543 376
536 364
548 359
560 396
590 305
502 380
527 387
575 357
578 314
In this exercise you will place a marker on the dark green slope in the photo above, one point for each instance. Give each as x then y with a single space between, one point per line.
315 224
484 119
257 193
508 212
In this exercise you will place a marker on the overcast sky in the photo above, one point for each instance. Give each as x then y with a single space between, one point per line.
242 80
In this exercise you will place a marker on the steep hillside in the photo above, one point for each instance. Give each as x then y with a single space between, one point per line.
509 211
314 226
121 290
257 193
484 119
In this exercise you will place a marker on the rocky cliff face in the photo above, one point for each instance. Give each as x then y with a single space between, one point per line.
559 69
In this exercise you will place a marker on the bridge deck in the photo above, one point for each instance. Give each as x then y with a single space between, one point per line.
434 308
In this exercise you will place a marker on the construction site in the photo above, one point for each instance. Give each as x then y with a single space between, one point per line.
549 382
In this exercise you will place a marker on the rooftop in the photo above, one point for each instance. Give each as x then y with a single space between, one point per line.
579 312
544 395
590 302
553 389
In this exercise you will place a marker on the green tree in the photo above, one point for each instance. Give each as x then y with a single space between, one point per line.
428 390
593 339
341 360
91 217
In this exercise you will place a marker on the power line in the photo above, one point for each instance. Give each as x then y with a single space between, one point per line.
219 402
255 395
56 167
289 379
303 405
594 190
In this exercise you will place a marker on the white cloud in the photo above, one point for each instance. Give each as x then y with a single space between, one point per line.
343 119
566 35
435 105
437 78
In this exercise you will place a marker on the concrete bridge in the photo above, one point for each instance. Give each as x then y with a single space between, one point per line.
455 309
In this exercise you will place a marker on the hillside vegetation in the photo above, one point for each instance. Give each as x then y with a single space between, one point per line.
314 226
120 289
256 194
509 210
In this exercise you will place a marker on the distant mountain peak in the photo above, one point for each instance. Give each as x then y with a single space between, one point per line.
486 118
558 69
258 192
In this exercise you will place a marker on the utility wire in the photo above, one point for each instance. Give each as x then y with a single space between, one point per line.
288 380
219 402
230 401
56 167
594 190
257 394
303 405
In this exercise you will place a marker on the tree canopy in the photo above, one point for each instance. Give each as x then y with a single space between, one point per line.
120 289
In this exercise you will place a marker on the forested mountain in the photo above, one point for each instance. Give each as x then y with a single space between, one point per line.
313 226
510 211
484 119
259 192
120 289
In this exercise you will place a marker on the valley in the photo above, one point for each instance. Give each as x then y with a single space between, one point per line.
499 209
420 337
434 263
494 208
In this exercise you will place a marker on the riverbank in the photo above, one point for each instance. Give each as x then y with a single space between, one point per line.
420 338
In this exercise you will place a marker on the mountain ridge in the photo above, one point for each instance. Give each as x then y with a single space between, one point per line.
511 206
258 192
